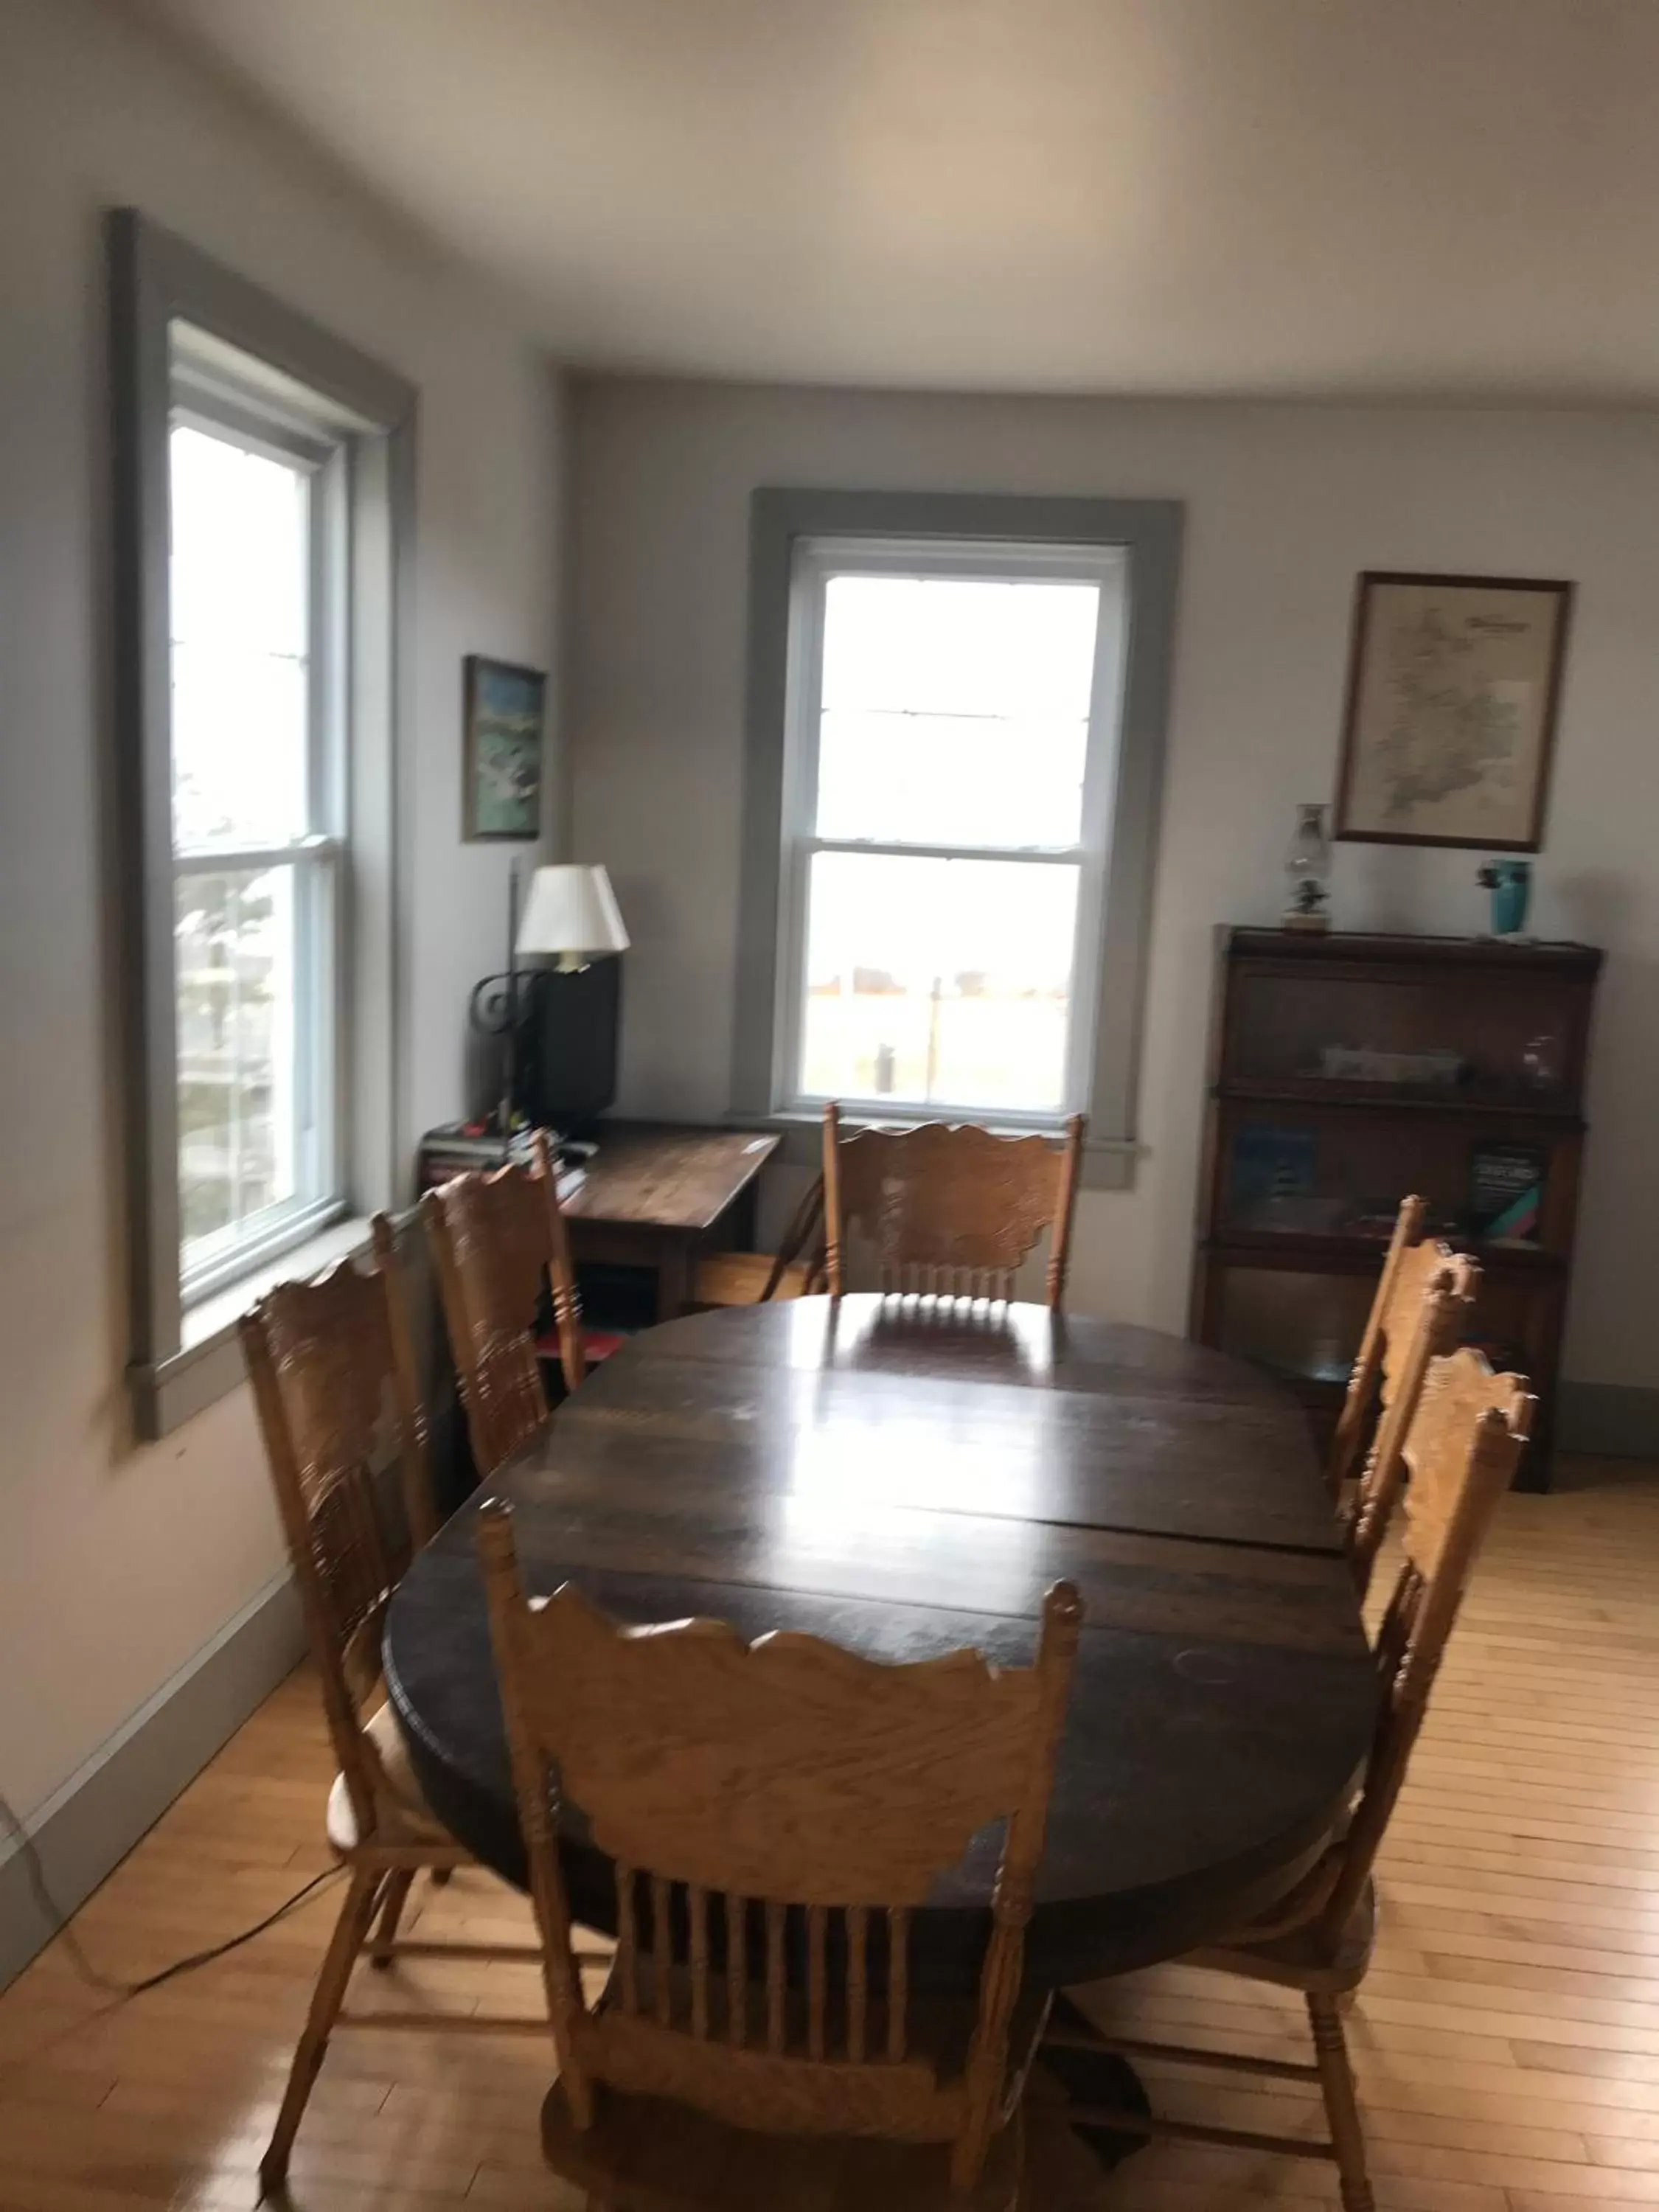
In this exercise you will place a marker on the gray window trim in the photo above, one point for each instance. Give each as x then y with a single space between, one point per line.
1150 532
177 1364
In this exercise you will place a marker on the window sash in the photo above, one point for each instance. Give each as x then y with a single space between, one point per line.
317 856
317 865
816 561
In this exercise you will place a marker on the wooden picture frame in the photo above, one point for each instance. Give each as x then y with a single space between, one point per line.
1453 695
503 747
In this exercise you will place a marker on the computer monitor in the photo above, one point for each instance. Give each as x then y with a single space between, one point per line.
567 1045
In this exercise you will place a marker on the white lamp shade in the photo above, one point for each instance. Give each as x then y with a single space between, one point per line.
571 910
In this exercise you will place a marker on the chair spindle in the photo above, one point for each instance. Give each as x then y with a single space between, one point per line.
775 2021
662 1950
627 1952
817 2004
858 1981
898 1979
737 1971
697 1912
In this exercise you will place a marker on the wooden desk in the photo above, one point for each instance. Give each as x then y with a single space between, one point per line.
655 1196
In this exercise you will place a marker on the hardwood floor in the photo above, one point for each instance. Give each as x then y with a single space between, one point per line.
1507 2041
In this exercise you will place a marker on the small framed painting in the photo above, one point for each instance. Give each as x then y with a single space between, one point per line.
1454 685
504 725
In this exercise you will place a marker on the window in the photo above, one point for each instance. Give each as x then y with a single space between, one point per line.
261 514
258 760
954 752
953 715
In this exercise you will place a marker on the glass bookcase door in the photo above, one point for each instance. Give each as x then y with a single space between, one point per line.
1300 1323
1306 1325
1480 1038
1343 1173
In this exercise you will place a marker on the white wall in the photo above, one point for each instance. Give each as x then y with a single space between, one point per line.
1285 504
116 1564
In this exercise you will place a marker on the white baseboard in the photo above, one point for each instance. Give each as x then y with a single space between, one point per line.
90 1824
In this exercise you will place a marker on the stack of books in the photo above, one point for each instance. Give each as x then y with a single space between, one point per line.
461 1147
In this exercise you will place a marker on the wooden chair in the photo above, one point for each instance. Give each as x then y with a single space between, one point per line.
1426 1317
1462 1448
795 1270
495 1239
1366 1374
335 1392
419 1503
951 1211
775 1811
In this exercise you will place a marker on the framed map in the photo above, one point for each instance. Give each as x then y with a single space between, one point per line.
503 710
1454 684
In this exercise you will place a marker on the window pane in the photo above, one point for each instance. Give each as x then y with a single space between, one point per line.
938 981
955 711
236 949
239 583
950 780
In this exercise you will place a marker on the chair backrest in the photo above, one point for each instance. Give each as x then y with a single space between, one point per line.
1427 1317
774 1812
495 1238
1461 1451
335 1387
420 1505
952 1211
1364 1375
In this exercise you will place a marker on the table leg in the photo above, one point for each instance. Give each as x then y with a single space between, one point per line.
675 1261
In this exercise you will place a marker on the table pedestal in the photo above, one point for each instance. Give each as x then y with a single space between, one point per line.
1097 2078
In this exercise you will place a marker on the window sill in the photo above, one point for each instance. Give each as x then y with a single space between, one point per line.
208 1364
1109 1163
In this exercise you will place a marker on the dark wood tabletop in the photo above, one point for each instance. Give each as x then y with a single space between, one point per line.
906 1480
664 1178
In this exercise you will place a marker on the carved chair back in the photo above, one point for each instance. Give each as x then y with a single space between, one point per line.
335 1389
952 1211
1461 1451
1365 1376
774 1813
1427 1317
496 1238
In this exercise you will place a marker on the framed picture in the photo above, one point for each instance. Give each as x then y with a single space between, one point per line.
1453 684
504 717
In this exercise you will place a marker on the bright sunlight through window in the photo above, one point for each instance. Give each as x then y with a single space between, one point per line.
251 898
945 842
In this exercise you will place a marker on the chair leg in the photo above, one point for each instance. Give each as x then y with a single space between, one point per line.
398 1887
350 1933
1341 2110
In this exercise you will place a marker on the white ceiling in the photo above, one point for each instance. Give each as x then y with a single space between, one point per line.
1437 196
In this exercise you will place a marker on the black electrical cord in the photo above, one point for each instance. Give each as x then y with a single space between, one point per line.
59 1921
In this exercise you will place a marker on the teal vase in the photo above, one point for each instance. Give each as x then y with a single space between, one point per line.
1511 888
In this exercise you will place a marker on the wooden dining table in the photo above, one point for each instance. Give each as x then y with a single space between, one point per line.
907 1478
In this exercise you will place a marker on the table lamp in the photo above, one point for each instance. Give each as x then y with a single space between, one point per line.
571 911
568 1014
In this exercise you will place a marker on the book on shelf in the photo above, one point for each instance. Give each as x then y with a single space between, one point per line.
1270 1162
1506 1189
1273 1178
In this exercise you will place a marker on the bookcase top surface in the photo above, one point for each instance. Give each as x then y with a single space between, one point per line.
1240 941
